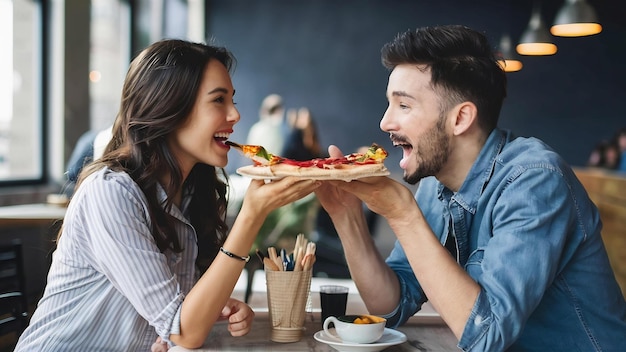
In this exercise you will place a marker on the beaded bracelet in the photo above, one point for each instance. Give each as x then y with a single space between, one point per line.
232 255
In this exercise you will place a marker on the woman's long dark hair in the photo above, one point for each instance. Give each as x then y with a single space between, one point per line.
159 93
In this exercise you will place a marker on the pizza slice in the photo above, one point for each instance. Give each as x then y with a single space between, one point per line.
346 168
256 153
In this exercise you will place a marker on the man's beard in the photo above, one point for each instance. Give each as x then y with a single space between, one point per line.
432 153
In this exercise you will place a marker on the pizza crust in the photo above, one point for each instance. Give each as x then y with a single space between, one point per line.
341 172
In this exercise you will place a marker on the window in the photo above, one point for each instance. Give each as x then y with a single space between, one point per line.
108 60
39 95
21 157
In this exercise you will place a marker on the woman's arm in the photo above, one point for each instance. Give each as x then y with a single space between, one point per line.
204 303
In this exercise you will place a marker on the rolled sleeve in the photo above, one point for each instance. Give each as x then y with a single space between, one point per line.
411 295
173 312
477 325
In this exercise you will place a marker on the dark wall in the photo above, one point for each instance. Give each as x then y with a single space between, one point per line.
325 55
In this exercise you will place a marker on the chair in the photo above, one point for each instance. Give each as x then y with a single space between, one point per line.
13 301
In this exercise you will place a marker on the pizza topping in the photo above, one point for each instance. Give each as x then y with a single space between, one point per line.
346 168
375 154
257 153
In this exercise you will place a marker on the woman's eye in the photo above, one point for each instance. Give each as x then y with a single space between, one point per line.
222 100
403 107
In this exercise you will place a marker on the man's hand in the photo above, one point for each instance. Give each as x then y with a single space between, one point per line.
239 316
333 198
382 195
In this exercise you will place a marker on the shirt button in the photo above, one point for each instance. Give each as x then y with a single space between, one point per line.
478 320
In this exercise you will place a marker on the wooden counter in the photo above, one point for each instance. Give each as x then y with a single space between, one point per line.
421 336
608 191
31 214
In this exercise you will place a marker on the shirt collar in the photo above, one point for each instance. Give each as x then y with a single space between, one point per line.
184 204
480 173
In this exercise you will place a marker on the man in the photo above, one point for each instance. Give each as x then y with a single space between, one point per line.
501 237
270 130
621 141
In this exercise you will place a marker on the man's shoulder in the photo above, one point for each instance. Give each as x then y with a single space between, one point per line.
530 151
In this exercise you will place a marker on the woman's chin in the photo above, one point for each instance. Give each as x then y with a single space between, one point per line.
217 162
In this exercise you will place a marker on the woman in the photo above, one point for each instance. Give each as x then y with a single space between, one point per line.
303 140
124 273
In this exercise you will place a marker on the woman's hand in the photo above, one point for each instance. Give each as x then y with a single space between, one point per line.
239 316
261 197
159 346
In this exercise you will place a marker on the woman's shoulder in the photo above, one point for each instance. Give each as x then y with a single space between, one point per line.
107 183
106 176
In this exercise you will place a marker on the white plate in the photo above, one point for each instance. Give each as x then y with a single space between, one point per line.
390 338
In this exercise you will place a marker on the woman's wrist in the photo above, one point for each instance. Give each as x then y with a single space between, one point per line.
235 256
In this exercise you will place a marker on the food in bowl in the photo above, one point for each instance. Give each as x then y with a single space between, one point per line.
356 328
368 319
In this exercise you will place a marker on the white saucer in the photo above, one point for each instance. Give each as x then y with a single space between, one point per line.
390 338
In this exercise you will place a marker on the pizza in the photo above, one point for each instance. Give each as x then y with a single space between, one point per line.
347 168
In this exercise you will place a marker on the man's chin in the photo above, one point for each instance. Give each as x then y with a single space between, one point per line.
415 175
411 178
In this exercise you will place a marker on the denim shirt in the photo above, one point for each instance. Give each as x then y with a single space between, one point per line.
529 235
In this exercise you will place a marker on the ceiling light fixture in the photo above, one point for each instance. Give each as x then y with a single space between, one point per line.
536 39
507 58
576 19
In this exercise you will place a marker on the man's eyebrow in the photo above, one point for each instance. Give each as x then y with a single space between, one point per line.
400 93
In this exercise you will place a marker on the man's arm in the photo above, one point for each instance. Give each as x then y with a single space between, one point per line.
451 291
378 285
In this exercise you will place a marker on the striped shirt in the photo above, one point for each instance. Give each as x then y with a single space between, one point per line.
109 287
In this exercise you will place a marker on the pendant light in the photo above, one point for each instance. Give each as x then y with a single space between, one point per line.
536 39
576 19
507 58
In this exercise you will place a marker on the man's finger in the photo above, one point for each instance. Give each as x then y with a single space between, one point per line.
334 151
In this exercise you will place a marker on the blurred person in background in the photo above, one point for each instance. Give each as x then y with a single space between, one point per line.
597 157
612 155
621 142
605 155
82 154
88 148
270 130
302 142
